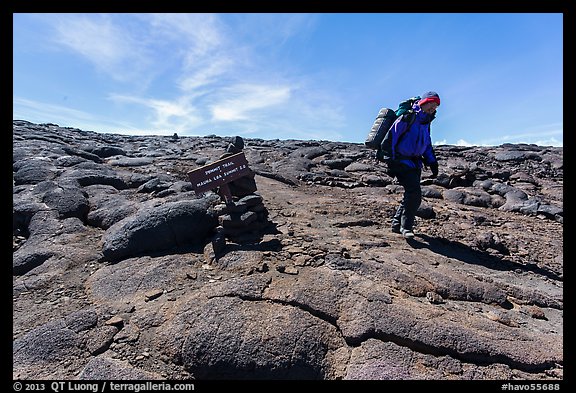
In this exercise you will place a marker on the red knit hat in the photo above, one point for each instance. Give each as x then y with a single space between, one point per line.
429 96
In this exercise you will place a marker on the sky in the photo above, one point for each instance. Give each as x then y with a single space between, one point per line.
317 76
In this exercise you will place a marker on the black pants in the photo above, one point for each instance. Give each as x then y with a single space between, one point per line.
409 178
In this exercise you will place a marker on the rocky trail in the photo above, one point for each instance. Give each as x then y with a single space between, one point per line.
115 275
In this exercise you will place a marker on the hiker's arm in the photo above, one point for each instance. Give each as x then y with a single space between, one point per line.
429 156
431 161
398 129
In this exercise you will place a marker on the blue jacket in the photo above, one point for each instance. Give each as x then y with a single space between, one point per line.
413 146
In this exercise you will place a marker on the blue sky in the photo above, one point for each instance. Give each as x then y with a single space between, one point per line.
321 76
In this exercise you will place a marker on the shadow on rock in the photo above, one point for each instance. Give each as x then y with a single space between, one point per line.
251 241
467 254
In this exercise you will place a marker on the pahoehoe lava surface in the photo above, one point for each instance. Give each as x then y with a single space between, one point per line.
120 271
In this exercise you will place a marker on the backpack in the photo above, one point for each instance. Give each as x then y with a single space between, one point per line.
384 151
379 138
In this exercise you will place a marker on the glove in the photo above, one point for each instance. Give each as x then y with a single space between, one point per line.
434 169
381 157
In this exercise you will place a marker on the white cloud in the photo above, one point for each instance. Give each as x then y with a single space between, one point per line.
241 100
549 142
177 115
205 73
462 142
138 47
35 111
187 71
108 46
542 138
39 112
196 34
544 135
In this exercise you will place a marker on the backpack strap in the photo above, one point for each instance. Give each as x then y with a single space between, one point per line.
407 117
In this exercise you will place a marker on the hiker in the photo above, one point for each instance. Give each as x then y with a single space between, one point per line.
411 148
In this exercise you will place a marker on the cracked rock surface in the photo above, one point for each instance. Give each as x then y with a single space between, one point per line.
120 271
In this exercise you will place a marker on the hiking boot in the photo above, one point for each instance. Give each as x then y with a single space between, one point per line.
407 233
396 228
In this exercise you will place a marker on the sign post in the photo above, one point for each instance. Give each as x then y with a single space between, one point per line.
219 174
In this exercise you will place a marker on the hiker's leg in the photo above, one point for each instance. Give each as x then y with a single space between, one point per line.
397 219
412 197
397 170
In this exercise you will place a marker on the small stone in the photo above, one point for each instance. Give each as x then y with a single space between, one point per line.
434 298
115 320
153 294
291 270
537 313
301 260
502 318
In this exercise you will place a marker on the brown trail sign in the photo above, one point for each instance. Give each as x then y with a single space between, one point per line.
219 174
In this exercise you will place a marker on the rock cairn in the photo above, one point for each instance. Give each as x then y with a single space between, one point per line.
242 220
